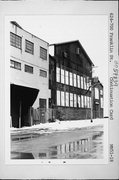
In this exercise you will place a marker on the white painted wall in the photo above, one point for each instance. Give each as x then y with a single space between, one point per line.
20 77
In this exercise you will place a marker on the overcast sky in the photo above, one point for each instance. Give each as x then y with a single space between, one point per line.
90 30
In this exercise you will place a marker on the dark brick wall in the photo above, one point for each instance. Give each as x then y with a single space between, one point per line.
73 113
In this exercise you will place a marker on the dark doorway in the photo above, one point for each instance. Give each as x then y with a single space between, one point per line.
22 98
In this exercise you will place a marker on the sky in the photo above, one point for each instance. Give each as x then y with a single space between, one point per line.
90 30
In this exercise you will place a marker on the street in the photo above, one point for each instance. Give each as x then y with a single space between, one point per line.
77 143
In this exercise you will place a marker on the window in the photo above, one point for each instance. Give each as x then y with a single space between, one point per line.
78 51
71 79
28 69
43 73
101 92
88 101
67 99
96 93
82 101
15 40
81 82
101 99
78 81
58 74
67 77
79 101
58 98
85 85
62 99
29 47
43 53
15 65
71 100
65 54
75 100
74 80
85 101
62 76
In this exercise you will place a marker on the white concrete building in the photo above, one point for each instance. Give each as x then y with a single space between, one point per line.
29 62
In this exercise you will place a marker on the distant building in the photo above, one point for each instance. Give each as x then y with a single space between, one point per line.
29 62
97 100
70 89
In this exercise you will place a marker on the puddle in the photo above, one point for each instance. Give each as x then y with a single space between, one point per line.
68 145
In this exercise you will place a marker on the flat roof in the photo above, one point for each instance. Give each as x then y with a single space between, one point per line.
16 24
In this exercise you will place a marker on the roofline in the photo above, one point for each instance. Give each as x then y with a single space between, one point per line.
74 41
66 42
16 24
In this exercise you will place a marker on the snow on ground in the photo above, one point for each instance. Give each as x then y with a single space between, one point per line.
59 125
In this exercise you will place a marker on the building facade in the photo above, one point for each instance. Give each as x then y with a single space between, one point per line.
71 92
29 73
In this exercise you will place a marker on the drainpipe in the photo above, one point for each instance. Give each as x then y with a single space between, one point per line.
91 103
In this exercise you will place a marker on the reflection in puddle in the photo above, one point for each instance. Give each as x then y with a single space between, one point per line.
82 148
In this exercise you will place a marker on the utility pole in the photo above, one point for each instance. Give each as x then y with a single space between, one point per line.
92 102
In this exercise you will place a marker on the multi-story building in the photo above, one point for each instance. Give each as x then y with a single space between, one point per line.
97 100
71 92
29 62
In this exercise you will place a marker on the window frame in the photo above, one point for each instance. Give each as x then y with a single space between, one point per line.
58 98
15 40
29 67
43 53
29 50
43 71
15 64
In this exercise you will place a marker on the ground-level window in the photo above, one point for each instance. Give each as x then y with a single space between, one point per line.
101 99
82 101
58 98
88 101
28 69
96 93
15 65
71 99
79 101
67 99
75 100
101 92
85 101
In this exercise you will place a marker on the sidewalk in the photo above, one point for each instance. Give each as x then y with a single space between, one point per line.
58 126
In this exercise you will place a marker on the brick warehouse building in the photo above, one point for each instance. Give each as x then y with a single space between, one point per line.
70 82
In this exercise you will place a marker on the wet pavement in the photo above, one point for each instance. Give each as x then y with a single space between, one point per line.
83 143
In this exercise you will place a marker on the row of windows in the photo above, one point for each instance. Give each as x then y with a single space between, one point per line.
27 68
72 79
16 41
73 100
